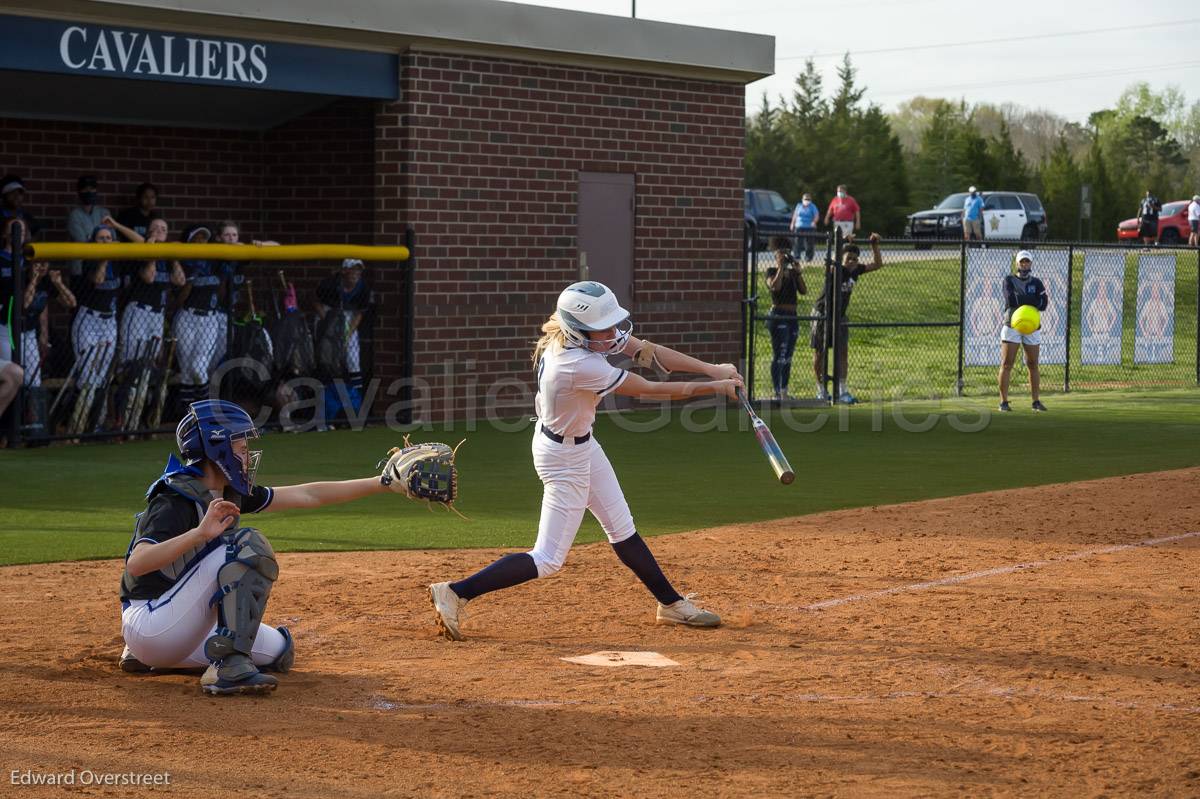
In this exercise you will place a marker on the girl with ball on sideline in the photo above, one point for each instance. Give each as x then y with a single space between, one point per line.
1021 289
574 375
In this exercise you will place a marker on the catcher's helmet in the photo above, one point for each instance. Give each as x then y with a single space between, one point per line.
591 307
207 432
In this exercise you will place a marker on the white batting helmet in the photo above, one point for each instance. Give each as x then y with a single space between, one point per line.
590 307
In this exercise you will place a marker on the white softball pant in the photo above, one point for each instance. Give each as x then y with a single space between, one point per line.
353 353
575 477
169 632
196 338
94 339
139 325
222 341
31 358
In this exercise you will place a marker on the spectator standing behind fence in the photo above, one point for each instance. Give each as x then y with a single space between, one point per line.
804 225
138 216
197 324
12 205
11 373
1021 289
233 277
972 220
1194 221
94 329
85 217
345 293
35 338
1148 218
35 321
845 213
143 319
786 284
852 270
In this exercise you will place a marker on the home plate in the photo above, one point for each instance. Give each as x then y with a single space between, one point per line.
623 659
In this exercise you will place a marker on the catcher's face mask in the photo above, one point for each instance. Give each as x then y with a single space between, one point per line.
247 457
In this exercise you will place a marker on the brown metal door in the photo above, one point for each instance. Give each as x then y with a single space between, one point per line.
605 231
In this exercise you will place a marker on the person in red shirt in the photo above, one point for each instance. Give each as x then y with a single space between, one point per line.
844 212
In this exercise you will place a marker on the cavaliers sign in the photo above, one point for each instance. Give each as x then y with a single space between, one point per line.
133 53
109 51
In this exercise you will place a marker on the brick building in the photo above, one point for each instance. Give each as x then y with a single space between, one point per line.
524 146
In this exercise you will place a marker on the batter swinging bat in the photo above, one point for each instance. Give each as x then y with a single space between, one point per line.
770 447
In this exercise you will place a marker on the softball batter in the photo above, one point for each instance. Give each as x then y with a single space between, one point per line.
573 376
196 582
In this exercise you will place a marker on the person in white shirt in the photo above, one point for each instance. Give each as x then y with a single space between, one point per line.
573 375
1194 221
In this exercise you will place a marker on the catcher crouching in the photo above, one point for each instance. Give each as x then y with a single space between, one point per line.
197 581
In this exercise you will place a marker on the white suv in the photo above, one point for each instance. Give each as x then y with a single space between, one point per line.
1009 215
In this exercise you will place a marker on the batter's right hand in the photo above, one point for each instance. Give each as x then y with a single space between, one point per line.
729 387
220 516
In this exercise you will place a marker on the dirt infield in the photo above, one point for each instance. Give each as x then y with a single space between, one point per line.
1057 662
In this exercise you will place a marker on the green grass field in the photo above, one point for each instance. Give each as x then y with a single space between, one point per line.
908 362
78 502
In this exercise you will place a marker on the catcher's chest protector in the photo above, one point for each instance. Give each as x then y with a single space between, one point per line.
191 488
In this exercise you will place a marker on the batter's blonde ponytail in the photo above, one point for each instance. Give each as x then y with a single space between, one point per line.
552 335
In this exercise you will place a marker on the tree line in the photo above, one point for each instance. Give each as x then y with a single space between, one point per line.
904 161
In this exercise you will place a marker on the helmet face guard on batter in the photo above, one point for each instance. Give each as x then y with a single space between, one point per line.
208 432
591 307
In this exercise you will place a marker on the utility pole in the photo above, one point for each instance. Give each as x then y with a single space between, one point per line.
634 12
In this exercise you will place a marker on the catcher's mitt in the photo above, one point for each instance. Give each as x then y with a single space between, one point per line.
422 471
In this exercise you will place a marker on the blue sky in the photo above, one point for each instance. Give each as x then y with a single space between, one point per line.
1071 75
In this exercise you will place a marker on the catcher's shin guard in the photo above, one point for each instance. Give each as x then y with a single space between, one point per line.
244 582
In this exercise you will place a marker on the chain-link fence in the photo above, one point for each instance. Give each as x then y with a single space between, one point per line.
920 322
112 348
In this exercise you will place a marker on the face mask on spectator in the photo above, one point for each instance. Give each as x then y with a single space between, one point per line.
806 201
841 194
88 197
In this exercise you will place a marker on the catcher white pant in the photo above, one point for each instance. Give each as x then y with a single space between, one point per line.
140 324
196 340
95 332
31 358
169 632
575 477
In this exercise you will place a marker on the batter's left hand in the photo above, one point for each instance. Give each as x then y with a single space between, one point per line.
724 371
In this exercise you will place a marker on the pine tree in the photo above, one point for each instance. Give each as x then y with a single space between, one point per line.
1061 179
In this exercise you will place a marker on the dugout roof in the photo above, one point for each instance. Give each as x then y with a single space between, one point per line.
199 62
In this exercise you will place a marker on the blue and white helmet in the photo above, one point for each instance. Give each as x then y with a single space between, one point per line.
590 307
207 432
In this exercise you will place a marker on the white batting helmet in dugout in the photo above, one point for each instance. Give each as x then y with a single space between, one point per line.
591 307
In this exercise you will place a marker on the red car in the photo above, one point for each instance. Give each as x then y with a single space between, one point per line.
1172 225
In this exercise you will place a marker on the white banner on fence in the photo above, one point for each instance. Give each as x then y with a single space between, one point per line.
983 305
1102 308
1052 266
1154 341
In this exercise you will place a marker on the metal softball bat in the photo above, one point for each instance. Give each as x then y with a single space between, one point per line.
770 447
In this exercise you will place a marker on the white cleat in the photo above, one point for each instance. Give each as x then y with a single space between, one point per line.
685 612
448 608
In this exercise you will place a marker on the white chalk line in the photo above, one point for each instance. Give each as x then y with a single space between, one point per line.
978 575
